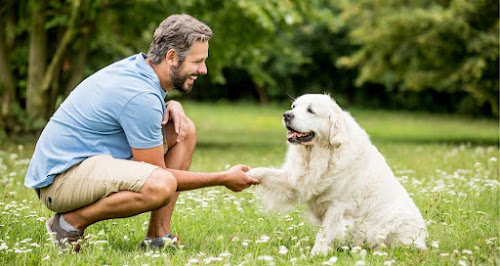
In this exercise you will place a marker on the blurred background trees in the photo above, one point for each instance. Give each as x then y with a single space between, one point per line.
433 55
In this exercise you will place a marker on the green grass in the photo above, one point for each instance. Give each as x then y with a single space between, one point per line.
448 164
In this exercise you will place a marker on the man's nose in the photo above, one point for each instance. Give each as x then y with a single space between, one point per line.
288 115
202 69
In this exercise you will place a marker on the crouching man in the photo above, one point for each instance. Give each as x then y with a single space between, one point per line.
115 149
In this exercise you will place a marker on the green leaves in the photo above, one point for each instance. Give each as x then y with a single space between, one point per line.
425 45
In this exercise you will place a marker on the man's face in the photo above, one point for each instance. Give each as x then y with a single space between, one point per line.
184 74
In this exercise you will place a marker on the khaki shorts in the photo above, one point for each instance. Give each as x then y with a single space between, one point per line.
94 178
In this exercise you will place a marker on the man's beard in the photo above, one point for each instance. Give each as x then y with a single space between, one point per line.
178 80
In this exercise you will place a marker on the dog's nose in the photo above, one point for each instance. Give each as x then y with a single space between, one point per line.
288 115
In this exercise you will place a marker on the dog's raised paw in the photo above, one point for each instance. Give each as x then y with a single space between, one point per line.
257 173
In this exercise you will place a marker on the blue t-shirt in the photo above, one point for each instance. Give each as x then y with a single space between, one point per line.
119 107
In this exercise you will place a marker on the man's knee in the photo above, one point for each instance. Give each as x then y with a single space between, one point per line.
160 187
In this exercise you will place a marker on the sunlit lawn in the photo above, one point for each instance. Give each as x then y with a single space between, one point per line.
448 164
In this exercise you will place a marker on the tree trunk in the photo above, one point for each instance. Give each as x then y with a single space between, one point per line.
78 66
6 78
61 48
263 99
37 57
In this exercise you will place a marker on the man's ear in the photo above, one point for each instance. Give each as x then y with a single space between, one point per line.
338 134
171 57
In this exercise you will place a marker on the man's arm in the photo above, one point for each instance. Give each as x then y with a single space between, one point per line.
234 179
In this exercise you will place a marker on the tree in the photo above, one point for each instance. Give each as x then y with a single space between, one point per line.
447 46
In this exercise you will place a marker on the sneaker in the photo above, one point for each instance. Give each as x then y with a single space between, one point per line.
61 237
160 242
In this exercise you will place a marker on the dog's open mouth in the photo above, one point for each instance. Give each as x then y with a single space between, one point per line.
299 137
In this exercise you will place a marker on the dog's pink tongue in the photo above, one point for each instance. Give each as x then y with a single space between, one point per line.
291 134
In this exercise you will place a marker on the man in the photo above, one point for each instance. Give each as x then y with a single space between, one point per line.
81 167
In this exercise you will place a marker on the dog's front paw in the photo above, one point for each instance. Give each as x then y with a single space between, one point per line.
320 248
258 173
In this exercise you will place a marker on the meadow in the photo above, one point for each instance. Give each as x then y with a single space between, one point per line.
448 164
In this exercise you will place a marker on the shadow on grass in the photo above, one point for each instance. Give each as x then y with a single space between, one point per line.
385 140
226 145
445 141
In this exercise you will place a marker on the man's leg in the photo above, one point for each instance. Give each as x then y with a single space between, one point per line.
179 156
158 191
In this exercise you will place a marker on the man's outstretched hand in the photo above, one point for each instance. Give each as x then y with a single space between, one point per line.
237 180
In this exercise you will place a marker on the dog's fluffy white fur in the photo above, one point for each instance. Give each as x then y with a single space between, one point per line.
343 179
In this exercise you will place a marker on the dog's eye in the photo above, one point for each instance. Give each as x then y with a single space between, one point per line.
293 106
310 110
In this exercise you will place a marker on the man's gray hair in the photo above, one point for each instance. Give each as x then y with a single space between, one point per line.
177 32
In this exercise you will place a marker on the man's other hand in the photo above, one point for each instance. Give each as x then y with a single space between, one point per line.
175 112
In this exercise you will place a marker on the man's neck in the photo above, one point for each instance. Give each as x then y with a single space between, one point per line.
162 75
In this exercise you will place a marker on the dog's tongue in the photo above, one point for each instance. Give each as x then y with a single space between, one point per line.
295 134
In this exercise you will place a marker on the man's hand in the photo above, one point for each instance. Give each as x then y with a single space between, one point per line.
175 112
237 180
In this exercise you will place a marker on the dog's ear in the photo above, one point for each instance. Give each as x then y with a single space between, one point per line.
337 134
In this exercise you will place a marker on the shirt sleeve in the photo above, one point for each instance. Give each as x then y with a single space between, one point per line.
141 121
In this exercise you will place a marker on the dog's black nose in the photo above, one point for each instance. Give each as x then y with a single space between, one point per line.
288 115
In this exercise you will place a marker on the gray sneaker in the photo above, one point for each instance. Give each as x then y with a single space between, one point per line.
61 237
159 243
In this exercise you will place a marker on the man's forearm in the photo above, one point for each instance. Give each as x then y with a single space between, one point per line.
187 180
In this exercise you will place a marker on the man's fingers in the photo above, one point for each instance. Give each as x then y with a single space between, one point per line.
254 181
183 131
177 124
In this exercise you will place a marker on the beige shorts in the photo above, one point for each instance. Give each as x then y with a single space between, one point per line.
94 178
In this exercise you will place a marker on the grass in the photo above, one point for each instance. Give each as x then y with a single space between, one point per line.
448 164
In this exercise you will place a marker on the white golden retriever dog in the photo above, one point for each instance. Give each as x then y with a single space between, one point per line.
332 166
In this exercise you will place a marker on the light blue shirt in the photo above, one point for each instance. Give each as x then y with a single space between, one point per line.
119 107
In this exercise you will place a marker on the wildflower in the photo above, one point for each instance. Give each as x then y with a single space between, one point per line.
263 239
330 261
466 251
362 253
435 244
356 249
378 253
265 258
489 241
283 250
360 262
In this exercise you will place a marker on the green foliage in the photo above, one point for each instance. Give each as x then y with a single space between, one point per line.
450 170
427 55
448 47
